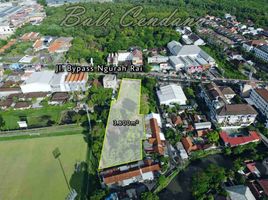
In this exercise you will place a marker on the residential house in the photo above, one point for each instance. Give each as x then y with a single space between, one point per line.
110 81
188 144
5 104
60 45
42 43
59 98
126 57
192 39
155 138
31 36
22 105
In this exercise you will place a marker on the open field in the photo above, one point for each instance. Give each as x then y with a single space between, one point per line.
35 117
68 129
29 170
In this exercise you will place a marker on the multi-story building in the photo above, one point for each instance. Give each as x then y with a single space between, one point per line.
259 97
222 112
262 52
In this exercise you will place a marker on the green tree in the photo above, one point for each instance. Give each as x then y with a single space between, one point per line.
213 137
149 196
2 122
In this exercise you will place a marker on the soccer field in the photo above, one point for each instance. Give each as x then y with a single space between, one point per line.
29 171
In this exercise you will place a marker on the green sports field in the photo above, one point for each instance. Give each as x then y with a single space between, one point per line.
29 171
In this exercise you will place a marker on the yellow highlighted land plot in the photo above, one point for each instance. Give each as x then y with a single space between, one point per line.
125 127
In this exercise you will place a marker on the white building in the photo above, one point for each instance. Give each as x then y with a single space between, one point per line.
235 115
262 52
122 57
259 97
38 82
109 81
48 81
183 153
154 116
222 112
57 82
239 192
157 59
192 39
75 82
171 94
191 57
6 30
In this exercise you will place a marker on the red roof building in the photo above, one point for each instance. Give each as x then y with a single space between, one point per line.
156 140
116 178
236 140
188 144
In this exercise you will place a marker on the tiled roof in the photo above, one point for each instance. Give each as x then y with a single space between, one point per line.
226 90
6 103
156 134
38 43
264 184
130 174
8 45
82 76
60 96
22 104
29 36
234 141
62 43
188 144
237 109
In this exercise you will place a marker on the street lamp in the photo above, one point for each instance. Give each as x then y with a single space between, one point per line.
56 153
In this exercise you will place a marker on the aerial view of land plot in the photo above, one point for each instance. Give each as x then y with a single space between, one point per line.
31 172
125 127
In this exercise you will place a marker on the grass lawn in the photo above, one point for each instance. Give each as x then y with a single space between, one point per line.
29 170
34 116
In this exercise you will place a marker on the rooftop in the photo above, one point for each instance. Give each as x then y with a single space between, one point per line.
170 92
130 174
82 76
237 109
43 77
240 192
239 139
263 93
